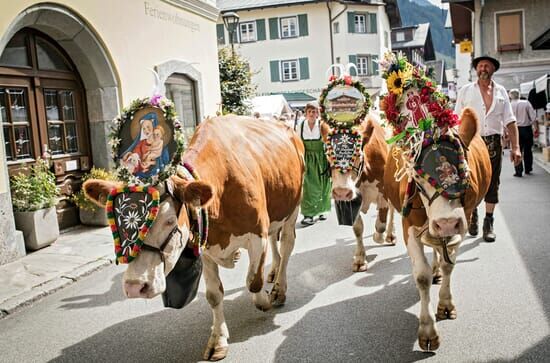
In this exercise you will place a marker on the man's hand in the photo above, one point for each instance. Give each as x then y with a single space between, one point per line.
515 155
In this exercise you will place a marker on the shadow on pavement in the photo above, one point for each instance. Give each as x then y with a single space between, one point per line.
88 301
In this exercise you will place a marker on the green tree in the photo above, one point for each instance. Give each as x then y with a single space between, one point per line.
235 82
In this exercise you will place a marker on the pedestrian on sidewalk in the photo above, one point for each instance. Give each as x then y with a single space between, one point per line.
317 183
492 105
526 118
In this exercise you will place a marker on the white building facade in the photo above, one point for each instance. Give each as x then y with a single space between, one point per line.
291 44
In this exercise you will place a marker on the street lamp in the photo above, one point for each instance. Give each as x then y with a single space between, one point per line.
231 22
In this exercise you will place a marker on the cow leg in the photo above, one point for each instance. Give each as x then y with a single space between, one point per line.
275 256
446 308
428 338
217 346
436 270
390 229
257 251
288 237
359 257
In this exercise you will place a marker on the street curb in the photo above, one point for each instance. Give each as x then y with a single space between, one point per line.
542 164
38 292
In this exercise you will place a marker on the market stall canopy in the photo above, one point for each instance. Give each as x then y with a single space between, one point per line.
270 106
298 99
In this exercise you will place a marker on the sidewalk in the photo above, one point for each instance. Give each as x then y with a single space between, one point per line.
75 254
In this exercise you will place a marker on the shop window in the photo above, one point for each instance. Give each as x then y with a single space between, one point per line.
509 31
182 91
16 52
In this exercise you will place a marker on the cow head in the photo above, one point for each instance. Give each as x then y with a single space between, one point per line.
168 236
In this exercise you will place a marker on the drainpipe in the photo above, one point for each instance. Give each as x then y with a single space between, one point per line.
330 21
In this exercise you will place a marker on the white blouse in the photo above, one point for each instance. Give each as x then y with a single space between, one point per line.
309 134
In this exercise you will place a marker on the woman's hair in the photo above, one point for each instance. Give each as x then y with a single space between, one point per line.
312 104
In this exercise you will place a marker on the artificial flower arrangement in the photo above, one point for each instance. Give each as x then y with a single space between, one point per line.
413 103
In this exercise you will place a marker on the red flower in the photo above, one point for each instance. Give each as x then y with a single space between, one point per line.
428 84
347 80
331 78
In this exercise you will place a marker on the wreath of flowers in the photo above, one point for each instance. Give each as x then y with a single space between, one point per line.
127 115
330 152
344 81
400 76
127 253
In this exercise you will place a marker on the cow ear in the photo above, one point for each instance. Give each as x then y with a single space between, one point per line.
198 193
469 125
98 190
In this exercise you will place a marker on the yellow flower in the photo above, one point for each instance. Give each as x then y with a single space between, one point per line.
395 82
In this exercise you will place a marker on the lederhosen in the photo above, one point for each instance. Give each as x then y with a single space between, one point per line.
494 147
317 184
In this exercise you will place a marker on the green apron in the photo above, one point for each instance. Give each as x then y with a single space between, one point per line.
317 186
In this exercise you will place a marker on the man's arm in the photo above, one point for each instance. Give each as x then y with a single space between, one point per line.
511 125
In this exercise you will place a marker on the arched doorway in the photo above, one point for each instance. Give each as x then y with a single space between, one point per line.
43 112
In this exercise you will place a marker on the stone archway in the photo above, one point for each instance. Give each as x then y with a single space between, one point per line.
92 60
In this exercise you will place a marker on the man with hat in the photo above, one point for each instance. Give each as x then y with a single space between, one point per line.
492 105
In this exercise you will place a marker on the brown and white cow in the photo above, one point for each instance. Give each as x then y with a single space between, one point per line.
251 177
367 179
435 221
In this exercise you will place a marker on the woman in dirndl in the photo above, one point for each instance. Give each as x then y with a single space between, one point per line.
317 184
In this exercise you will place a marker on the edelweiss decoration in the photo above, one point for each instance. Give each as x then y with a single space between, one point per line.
147 141
131 211
424 128
344 104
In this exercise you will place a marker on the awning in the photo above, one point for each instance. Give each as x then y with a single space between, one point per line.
541 83
525 87
270 106
298 99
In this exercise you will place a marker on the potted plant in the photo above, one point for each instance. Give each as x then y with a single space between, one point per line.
90 213
34 197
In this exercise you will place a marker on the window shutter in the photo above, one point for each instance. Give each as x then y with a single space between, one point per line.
374 65
260 29
353 59
372 23
273 28
220 31
304 68
302 25
275 74
351 22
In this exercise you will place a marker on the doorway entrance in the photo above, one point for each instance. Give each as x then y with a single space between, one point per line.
43 113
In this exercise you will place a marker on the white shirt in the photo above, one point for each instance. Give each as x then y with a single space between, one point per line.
499 114
309 134
525 114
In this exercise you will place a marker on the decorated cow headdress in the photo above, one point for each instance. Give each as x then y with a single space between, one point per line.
147 142
424 128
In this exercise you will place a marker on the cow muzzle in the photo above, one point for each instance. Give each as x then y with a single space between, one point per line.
343 186
447 227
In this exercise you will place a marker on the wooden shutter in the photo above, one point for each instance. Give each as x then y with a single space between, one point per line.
220 31
351 22
260 29
273 28
509 31
302 25
304 68
372 23
353 59
275 72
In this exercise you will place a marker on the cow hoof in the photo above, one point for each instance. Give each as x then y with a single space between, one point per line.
236 256
215 353
390 239
436 280
277 297
428 344
359 267
378 237
271 276
446 312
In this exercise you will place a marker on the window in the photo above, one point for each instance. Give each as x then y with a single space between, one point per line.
16 123
360 23
336 27
509 31
182 90
362 65
60 115
289 27
337 59
400 36
386 40
247 32
290 70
